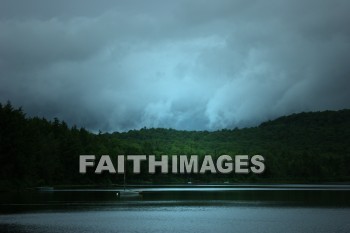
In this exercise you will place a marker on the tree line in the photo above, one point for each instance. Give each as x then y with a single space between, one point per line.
304 147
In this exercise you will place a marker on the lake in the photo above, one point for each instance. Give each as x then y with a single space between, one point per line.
217 208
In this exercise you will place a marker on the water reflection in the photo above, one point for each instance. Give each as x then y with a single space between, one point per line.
179 209
182 219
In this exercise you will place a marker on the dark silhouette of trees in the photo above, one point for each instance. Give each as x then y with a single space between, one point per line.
304 147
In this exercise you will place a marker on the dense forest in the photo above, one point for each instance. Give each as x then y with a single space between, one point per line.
304 147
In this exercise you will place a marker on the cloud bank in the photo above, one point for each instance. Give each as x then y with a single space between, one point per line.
174 64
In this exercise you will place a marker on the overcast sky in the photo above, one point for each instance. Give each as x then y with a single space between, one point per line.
194 65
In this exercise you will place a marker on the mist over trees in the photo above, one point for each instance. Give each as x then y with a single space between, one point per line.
304 147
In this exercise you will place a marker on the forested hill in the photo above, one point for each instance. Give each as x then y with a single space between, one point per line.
305 147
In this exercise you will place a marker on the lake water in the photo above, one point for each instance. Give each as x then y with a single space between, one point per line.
280 208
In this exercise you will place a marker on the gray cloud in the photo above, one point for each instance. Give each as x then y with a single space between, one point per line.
179 64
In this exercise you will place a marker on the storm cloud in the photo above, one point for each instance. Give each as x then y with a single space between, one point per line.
120 65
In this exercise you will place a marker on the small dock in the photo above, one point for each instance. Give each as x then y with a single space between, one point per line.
128 194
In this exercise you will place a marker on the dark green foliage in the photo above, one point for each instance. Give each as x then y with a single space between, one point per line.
305 147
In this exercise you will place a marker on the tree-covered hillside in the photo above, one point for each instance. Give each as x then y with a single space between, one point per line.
305 147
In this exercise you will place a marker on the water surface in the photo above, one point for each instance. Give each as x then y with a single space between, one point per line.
180 209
